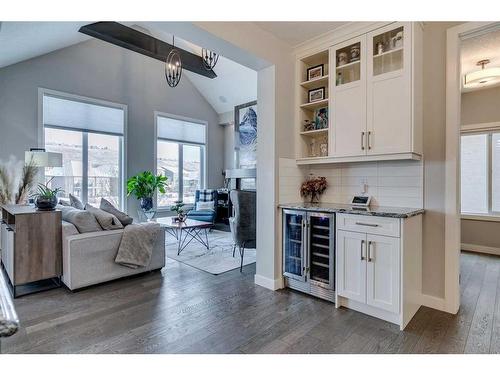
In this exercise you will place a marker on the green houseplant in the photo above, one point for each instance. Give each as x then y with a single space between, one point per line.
45 197
178 208
144 186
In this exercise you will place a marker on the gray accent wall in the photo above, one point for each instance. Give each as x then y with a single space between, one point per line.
100 70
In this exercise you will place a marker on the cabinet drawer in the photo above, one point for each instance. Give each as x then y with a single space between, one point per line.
384 226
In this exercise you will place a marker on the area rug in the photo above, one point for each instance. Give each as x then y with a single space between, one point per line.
217 260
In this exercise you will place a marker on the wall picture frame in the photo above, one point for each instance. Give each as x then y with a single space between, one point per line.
315 72
315 95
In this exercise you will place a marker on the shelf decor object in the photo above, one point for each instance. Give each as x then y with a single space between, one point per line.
316 95
173 67
315 72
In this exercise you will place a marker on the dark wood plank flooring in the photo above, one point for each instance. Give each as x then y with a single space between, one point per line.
184 310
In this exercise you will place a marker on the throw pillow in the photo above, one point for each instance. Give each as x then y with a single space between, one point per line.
122 216
84 221
75 202
205 206
105 219
64 202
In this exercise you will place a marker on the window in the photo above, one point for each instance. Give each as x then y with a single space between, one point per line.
180 157
480 173
90 138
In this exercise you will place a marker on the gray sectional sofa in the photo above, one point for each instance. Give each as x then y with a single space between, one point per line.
88 258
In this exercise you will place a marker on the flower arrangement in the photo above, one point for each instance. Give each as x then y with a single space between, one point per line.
178 208
313 187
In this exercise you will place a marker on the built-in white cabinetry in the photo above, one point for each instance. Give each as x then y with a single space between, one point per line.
379 266
374 97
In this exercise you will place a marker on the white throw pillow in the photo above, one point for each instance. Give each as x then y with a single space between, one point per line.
205 206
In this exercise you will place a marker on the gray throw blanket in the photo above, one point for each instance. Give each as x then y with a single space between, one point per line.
136 246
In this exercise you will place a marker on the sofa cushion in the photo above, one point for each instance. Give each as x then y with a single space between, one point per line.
75 202
84 221
64 202
205 205
122 216
68 229
106 220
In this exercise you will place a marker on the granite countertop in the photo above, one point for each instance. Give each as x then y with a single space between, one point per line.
9 323
395 212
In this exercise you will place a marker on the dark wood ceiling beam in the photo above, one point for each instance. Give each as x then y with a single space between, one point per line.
131 39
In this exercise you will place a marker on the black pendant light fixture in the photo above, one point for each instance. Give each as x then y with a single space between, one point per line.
209 58
173 67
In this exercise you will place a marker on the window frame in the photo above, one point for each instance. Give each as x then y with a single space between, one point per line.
203 154
84 99
487 129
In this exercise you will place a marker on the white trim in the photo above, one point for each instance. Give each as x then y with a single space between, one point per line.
357 159
480 127
86 99
480 249
204 172
269 283
452 163
433 302
480 217
338 35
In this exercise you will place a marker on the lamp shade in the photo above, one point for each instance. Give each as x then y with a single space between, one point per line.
43 158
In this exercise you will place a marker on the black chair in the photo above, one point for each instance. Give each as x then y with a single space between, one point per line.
243 223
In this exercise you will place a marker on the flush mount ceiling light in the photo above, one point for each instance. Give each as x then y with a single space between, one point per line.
209 58
173 67
483 77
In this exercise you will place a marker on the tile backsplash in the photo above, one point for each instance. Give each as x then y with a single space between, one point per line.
390 183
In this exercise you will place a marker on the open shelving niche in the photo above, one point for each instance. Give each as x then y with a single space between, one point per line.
306 110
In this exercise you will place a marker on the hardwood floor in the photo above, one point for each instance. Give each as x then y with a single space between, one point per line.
184 310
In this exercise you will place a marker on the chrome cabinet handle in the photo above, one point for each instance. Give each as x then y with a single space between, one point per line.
370 258
362 140
369 144
367 224
361 250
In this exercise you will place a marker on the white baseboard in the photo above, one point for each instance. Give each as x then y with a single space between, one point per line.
480 249
433 302
269 283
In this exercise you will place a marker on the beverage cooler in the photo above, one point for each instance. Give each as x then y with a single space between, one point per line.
308 252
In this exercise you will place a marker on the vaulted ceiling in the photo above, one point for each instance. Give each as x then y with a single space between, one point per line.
20 41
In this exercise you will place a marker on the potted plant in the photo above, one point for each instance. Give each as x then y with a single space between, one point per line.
144 186
45 197
178 207
313 188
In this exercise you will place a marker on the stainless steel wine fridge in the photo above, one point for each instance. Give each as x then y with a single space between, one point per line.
308 252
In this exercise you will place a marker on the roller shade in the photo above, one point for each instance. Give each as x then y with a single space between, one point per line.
72 114
180 130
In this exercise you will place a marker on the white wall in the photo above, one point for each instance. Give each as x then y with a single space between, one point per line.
100 70
276 135
226 120
391 183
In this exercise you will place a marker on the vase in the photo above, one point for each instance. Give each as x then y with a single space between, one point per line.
45 204
314 198
181 216
147 203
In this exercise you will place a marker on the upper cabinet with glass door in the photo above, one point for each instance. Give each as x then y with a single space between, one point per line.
389 90
349 98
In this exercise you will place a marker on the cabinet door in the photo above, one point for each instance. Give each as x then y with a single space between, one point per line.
294 244
349 98
389 120
351 265
383 272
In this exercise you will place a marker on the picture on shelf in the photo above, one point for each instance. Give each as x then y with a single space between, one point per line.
315 72
320 118
316 94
